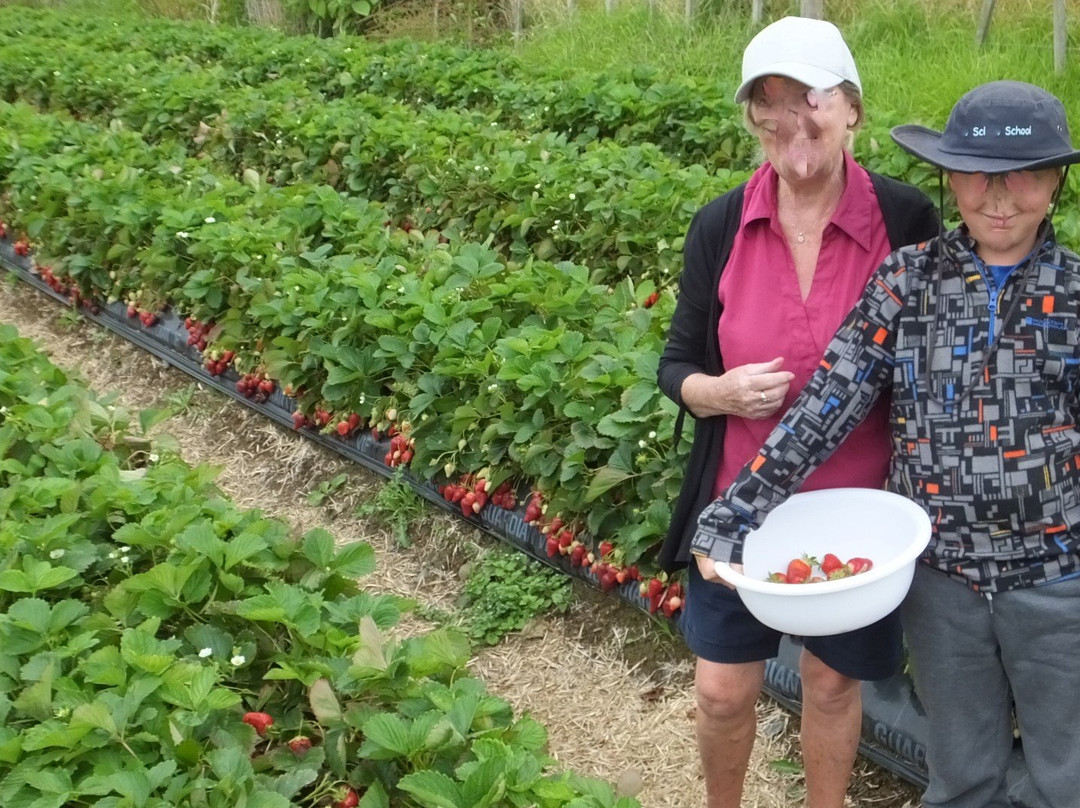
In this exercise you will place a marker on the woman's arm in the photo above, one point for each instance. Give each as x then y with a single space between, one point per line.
683 374
684 352
856 368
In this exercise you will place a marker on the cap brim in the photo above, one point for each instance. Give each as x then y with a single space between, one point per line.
925 144
808 74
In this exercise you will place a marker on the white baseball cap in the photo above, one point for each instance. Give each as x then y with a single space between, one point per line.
807 50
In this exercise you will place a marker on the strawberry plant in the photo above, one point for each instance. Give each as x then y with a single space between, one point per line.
157 641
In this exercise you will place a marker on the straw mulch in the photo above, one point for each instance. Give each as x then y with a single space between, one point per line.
614 692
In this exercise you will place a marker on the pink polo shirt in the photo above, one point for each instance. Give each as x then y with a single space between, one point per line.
764 316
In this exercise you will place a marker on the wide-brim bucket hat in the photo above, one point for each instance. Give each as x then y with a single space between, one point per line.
996 128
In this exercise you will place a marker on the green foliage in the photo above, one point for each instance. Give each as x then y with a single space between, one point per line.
324 490
397 505
141 615
464 236
506 589
893 41
332 17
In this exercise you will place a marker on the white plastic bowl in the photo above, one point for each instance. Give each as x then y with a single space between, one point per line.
890 530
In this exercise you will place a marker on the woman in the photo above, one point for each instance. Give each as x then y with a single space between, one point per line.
771 269
975 338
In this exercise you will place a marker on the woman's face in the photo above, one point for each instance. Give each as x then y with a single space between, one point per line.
802 130
1003 211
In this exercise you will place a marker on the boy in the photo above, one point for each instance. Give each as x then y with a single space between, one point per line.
976 337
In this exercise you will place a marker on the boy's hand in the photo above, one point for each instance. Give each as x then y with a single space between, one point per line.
707 568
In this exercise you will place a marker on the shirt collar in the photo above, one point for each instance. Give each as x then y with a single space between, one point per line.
853 212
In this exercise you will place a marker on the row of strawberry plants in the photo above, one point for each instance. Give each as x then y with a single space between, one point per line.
619 209
688 118
160 646
684 117
486 364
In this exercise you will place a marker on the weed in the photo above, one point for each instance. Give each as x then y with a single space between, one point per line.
69 320
318 495
505 590
397 506
180 401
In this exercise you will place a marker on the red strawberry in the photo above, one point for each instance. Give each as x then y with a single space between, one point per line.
859 564
565 539
650 301
479 502
354 420
606 549
831 563
777 578
798 570
299 420
672 600
261 722
300 745
654 587
348 798
343 428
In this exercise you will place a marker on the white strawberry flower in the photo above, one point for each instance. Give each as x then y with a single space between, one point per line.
573 197
238 660
209 220
55 554
205 652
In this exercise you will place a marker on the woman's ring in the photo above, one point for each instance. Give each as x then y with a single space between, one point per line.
764 398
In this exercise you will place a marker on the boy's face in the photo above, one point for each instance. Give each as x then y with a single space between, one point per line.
1003 211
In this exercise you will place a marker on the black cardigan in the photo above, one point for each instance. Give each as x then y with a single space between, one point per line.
909 218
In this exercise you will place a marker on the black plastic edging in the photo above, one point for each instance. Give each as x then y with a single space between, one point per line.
893 720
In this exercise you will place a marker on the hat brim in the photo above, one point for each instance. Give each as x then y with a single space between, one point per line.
807 74
925 144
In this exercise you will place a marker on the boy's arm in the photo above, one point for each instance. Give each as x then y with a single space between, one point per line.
856 368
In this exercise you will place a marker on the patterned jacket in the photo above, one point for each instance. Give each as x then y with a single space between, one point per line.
988 445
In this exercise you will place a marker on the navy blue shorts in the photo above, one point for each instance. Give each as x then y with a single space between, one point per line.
719 628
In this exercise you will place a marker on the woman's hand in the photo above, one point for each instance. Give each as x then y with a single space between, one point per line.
707 568
752 391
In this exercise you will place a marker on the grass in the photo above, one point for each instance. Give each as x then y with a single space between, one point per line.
915 57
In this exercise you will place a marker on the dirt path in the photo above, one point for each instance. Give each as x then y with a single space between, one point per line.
614 693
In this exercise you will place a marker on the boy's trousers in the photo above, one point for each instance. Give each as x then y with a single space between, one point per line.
973 655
